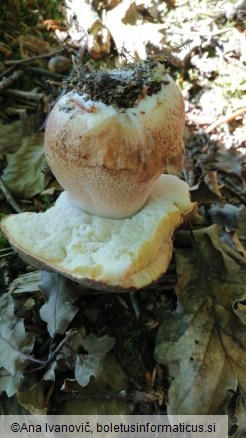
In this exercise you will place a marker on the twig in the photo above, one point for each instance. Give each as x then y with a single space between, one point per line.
203 34
235 193
53 354
79 56
135 304
34 58
134 397
225 119
9 197
27 95
43 72
6 82
5 252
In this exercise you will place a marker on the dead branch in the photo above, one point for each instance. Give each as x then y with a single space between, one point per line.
225 119
9 197
34 58
133 397
6 82
26 95
47 73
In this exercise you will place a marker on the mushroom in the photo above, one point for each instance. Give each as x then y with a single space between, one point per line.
104 253
108 157
108 142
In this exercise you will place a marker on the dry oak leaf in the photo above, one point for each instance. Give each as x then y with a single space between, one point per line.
33 399
15 343
9 383
203 343
58 310
23 174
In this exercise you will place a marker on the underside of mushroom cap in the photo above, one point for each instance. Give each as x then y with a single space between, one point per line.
108 254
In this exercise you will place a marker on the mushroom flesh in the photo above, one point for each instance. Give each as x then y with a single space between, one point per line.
112 227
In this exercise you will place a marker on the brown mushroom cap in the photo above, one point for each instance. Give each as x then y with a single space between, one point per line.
108 160
109 254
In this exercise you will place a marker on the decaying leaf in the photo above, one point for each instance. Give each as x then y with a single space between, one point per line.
61 293
95 345
9 383
211 179
33 399
15 343
87 364
228 215
23 173
230 161
85 367
11 135
202 193
204 343
237 415
50 372
240 309
26 283
98 396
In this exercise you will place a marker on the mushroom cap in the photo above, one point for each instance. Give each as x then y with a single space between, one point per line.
108 159
109 254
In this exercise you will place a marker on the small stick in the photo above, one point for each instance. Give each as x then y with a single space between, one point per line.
135 305
9 197
6 72
225 119
6 82
79 56
205 34
52 354
47 73
235 193
34 58
134 397
6 254
27 95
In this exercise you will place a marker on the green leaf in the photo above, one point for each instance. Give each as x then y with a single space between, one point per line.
95 345
203 343
15 343
23 174
58 311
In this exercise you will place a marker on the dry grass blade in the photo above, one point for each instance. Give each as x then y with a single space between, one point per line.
5 252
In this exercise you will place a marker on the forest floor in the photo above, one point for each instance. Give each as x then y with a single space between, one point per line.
178 346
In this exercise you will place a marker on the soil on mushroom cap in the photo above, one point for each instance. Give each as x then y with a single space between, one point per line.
123 87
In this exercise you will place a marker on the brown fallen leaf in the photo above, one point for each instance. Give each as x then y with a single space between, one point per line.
203 343
58 310
230 161
9 383
228 215
201 192
15 343
33 398
23 174
109 379
239 308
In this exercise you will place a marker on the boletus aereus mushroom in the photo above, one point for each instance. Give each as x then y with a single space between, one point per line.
108 141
